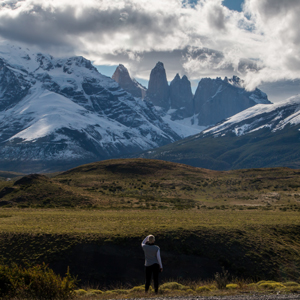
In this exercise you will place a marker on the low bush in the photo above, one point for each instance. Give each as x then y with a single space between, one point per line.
222 279
81 292
95 292
37 282
173 286
5 283
270 285
232 286
293 289
140 288
202 289
291 284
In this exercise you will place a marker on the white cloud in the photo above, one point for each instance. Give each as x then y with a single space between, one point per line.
261 43
276 22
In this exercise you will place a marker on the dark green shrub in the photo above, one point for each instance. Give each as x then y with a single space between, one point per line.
5 283
37 282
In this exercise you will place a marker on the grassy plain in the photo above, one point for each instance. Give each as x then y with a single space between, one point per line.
250 243
245 220
136 223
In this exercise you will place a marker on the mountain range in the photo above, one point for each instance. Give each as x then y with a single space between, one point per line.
57 113
188 114
260 136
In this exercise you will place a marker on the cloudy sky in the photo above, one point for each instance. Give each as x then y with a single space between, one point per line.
258 40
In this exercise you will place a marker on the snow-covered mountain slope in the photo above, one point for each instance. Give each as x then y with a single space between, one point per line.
183 126
265 135
56 112
273 117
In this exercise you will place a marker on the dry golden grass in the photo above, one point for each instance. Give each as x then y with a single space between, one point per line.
133 223
153 184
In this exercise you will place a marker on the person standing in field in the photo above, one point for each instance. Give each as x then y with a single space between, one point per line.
153 264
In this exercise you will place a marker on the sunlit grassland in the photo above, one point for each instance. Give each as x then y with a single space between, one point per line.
251 242
134 223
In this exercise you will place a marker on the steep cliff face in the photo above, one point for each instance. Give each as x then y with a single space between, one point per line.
122 77
158 89
181 96
174 103
214 100
217 99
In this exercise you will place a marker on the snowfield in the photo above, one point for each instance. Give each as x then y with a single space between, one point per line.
272 116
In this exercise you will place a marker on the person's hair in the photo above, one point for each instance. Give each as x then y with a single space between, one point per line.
151 239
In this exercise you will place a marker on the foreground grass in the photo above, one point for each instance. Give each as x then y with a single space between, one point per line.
208 289
260 244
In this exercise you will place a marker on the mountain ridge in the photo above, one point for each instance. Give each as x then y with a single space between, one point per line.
57 111
259 137
188 114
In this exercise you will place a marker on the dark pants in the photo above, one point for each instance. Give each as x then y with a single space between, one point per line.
153 269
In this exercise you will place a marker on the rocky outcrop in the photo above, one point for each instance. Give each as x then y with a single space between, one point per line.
181 96
158 88
214 100
122 77
217 99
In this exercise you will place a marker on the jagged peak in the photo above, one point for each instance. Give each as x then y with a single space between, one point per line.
235 81
177 77
159 65
80 61
205 79
122 68
121 72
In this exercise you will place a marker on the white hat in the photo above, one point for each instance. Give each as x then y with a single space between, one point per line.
151 239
